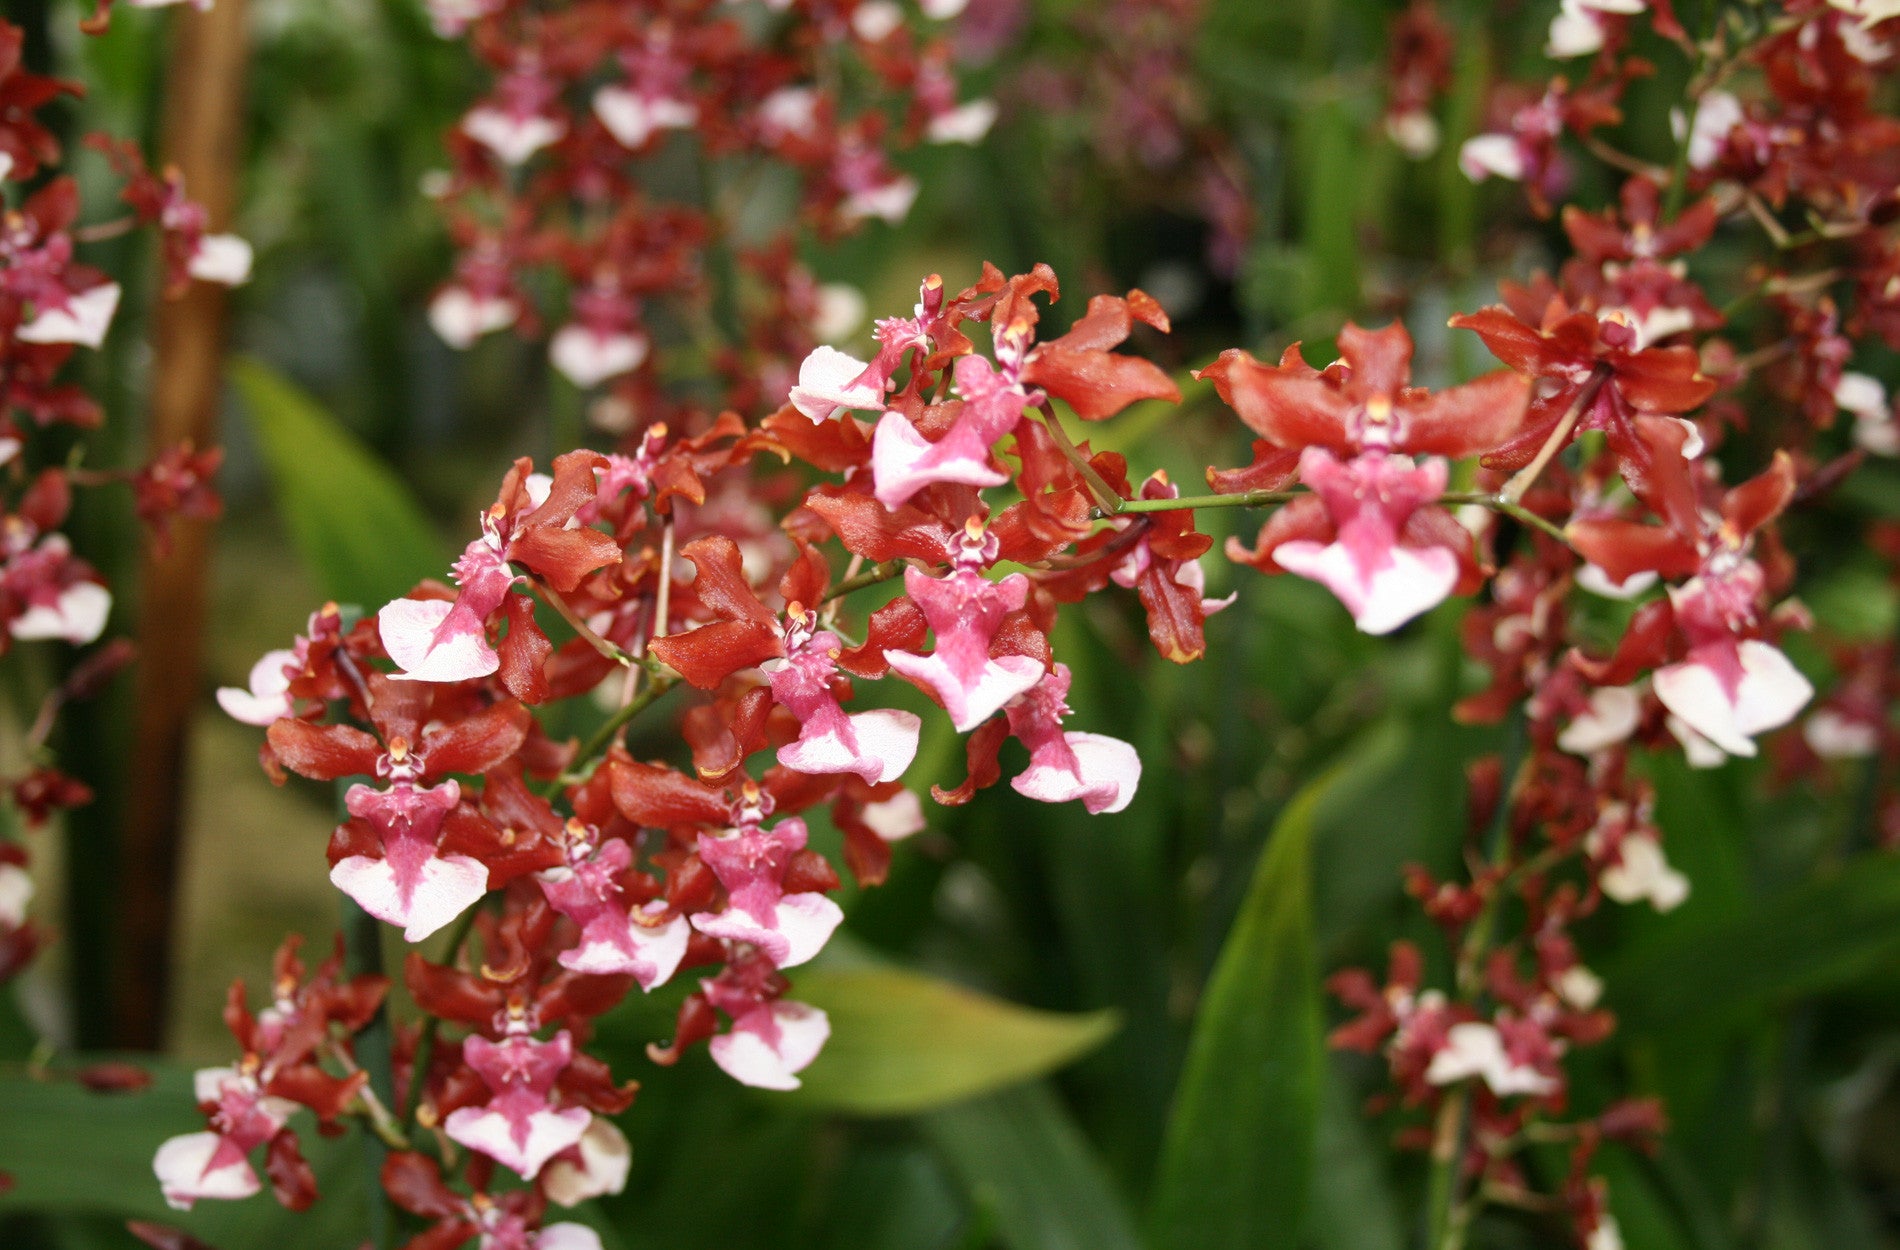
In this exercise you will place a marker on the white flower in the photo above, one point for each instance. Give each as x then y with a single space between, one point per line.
1593 579
267 697
606 1158
1475 1049
888 201
461 316
16 891
1580 987
589 357
967 123
1717 113
84 320
513 139
827 382
1729 708
1833 736
1641 873
875 20
1491 156
1414 132
1610 718
221 258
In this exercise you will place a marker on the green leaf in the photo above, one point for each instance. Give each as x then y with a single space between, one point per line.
1029 1171
1331 158
1818 936
1353 1201
903 1043
1237 1160
354 522
71 1151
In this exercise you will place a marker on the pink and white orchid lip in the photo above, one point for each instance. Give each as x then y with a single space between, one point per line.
750 862
1729 692
598 1165
965 610
513 138
1382 582
830 382
266 696
1065 766
877 745
519 1127
461 315
633 119
768 1047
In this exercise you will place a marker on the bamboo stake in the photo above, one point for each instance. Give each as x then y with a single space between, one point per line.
204 110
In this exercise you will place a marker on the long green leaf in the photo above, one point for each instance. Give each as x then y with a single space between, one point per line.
1237 1161
902 1043
1028 1169
1816 937
354 522
1354 1207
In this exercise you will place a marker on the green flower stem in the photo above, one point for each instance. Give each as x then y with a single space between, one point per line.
1267 498
363 956
869 577
432 1025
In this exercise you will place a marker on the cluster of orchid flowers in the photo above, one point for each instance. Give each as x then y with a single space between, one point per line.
1587 488
601 871
551 172
52 304
1631 365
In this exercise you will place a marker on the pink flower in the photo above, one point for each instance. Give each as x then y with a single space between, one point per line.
519 1127
1370 498
877 745
411 885
217 1164
268 695
1100 771
642 942
903 462
1729 688
751 864
221 258
436 640
965 609
769 1045
829 381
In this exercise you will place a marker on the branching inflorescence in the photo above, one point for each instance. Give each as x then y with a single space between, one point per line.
1588 488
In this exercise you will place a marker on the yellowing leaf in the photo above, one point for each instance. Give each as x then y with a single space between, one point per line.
902 1042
